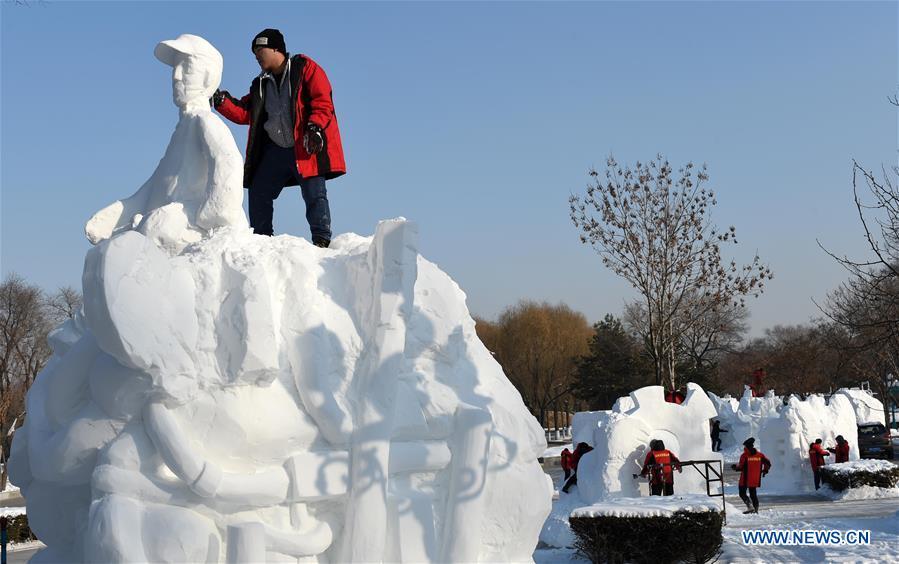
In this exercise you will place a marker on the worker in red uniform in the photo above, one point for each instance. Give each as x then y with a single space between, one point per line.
659 465
567 464
816 454
841 451
752 466
580 450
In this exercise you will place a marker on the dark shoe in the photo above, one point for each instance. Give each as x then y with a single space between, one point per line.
750 511
321 242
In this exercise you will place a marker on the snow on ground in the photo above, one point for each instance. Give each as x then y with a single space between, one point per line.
11 511
10 487
863 492
556 451
883 547
865 465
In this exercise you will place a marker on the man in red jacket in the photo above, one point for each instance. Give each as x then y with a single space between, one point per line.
567 463
580 450
293 138
659 465
752 466
841 451
816 454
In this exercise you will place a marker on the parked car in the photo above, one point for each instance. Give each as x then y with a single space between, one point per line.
874 441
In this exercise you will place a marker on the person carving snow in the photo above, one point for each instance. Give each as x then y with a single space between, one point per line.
816 454
659 465
293 139
579 451
752 466
841 450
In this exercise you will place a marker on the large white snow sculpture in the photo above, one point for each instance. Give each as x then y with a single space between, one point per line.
228 397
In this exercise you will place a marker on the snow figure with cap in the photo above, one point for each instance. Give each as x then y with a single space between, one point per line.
226 397
197 185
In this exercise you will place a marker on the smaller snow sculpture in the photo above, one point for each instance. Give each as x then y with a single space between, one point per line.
785 439
621 440
868 409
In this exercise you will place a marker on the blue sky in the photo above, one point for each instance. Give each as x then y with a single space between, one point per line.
477 120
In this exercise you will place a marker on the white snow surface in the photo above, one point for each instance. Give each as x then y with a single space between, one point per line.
861 492
12 511
865 465
654 506
868 409
227 397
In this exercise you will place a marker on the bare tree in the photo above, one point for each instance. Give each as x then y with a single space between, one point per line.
704 338
654 229
64 304
21 322
866 305
27 316
538 346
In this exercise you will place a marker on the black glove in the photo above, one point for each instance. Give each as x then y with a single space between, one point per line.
218 98
313 141
733 466
765 473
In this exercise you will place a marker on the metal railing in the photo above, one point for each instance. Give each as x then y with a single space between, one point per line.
707 469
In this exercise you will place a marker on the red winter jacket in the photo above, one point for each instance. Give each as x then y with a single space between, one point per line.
567 463
314 104
842 452
751 466
660 464
816 454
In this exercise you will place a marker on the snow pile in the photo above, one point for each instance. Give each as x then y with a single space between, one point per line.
785 439
868 409
556 530
654 506
621 441
231 397
859 493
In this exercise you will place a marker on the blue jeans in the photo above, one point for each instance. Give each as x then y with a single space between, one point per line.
277 168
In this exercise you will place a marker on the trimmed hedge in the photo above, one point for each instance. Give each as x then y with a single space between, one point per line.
683 537
17 529
839 481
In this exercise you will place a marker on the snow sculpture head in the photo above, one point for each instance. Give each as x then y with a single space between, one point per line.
196 68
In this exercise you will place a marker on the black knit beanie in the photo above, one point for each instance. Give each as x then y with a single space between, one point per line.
270 38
